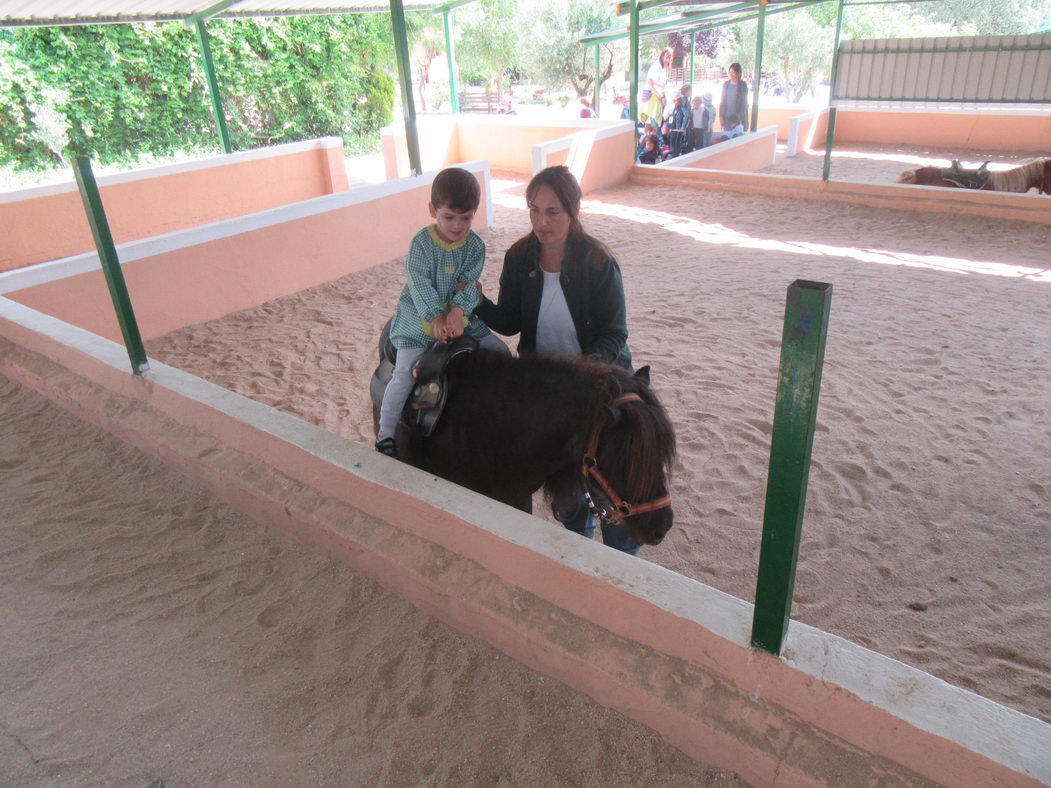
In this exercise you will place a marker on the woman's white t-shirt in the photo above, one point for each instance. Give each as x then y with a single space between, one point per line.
658 75
555 333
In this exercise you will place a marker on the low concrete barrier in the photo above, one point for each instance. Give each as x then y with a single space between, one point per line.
902 197
599 152
662 649
747 153
202 273
147 202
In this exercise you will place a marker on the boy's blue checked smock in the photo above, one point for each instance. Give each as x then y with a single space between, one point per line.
441 276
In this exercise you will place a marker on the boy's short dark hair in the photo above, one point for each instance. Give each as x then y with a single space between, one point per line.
457 189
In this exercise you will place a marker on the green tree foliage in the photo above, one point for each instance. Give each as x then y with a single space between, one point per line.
552 52
119 91
20 92
989 17
798 44
490 42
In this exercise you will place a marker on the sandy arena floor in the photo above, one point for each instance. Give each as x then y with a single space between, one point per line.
153 633
927 515
150 633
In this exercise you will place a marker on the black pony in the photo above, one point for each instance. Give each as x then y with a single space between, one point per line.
513 425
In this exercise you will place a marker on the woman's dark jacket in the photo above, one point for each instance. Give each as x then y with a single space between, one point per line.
594 292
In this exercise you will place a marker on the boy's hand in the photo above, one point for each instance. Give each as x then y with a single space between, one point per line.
440 328
454 323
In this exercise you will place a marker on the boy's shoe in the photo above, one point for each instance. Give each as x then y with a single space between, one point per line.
386 446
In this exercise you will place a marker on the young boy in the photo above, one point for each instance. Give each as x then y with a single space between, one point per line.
437 303
703 120
650 152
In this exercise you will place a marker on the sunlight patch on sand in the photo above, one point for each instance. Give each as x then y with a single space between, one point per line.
719 234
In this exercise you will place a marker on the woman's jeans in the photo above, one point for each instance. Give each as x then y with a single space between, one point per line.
582 521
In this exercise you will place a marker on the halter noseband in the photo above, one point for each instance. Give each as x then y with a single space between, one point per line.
589 467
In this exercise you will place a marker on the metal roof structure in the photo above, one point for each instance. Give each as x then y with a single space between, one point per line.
47 13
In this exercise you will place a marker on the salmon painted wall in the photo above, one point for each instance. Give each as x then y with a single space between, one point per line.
748 153
599 152
780 117
204 273
150 202
963 130
505 142
665 650
439 146
1029 131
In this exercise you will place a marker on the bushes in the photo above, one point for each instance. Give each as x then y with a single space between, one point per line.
115 92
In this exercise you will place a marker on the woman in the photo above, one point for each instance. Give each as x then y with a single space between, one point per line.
562 293
734 100
656 81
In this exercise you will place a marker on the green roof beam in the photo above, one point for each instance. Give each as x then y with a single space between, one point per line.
209 12
769 11
444 7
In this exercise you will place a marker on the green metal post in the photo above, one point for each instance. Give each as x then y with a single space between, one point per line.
795 414
760 32
213 86
450 57
401 48
118 291
598 78
693 55
633 64
827 166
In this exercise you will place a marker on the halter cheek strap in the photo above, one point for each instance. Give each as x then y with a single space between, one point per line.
589 467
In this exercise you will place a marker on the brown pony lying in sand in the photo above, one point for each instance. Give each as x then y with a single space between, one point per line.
1020 179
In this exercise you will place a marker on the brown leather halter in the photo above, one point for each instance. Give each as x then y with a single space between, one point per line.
589 466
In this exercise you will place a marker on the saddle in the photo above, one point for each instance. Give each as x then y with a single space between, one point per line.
966 179
431 388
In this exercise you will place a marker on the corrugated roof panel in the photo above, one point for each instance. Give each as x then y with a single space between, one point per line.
14 13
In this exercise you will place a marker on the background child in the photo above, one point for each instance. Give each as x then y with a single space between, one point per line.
703 121
651 152
437 303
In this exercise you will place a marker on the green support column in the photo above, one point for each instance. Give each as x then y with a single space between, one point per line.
598 79
827 166
633 64
213 86
450 57
795 414
401 48
118 291
760 32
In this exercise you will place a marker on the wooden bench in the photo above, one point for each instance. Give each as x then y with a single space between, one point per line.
479 102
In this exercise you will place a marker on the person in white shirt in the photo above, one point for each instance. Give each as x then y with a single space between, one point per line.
653 92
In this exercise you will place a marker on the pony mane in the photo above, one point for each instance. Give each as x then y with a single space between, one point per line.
645 433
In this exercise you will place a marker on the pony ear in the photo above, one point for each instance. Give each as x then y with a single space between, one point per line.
644 374
984 167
